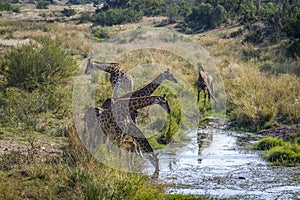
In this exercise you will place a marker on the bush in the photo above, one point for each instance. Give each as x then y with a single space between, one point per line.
40 64
206 16
100 32
279 152
85 17
293 49
116 16
255 35
5 6
284 155
236 33
42 4
268 143
68 12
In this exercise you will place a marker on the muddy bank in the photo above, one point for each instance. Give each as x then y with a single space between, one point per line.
285 132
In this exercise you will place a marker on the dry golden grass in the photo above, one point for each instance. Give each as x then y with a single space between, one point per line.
255 99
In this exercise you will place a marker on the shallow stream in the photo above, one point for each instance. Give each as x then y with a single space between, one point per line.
221 168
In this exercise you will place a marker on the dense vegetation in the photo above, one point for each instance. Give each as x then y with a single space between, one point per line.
34 76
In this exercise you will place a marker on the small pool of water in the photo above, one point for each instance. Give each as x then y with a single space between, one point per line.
221 168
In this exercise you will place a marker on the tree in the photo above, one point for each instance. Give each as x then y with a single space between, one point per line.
205 16
219 15
293 32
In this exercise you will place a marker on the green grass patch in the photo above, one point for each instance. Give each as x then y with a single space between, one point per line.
284 155
268 143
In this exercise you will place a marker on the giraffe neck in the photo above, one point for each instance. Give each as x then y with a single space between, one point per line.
136 103
148 89
107 67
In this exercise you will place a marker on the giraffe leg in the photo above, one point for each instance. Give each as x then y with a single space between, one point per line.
198 96
134 115
204 97
137 134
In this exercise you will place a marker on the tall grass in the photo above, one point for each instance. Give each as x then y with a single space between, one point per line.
262 85
72 175
259 100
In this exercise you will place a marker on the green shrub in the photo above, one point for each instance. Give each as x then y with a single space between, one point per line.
85 17
268 143
236 33
37 110
255 35
100 32
205 16
40 64
116 16
284 155
68 12
279 152
42 4
5 6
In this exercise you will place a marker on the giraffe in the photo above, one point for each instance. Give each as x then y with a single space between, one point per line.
147 90
118 77
144 91
115 122
205 83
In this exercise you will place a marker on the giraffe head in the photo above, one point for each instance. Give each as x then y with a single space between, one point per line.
200 67
169 76
162 100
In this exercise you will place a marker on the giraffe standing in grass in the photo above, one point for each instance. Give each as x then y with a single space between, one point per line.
115 122
118 77
205 84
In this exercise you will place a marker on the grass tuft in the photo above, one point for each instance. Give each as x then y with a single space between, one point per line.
268 143
279 152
